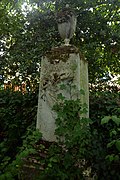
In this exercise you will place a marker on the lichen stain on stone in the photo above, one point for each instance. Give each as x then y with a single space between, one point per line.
61 53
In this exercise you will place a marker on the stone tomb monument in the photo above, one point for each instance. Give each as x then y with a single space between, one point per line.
62 66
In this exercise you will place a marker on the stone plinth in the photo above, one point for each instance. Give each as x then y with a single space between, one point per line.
61 67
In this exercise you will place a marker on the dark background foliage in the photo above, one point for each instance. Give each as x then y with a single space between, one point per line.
17 113
26 35
104 101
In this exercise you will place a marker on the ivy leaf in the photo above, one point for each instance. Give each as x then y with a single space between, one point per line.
105 119
116 120
82 92
111 144
62 86
53 159
61 97
113 132
110 157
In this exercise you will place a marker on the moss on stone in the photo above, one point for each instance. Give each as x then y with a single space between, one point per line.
61 53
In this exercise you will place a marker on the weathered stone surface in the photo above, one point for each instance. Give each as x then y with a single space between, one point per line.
61 66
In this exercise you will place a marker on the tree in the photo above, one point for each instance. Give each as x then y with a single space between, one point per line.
29 34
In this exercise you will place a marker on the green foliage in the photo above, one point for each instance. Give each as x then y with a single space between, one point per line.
112 146
67 159
106 119
69 113
17 112
27 34
114 138
104 101
64 159
13 169
105 113
85 148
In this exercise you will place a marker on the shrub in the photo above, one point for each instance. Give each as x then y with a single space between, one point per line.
17 112
104 104
14 169
85 148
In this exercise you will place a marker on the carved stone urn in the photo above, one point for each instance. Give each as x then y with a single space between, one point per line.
66 21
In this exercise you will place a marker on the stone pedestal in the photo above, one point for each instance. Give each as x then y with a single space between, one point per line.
63 71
